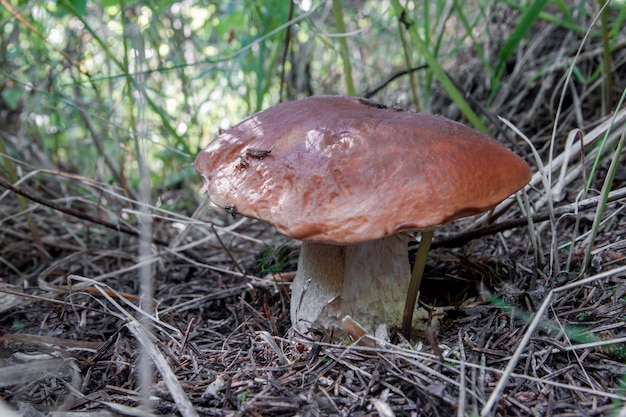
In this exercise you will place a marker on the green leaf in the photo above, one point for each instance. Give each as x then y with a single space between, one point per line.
109 3
12 96
76 7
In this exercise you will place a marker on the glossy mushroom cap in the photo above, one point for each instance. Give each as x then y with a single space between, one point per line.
345 170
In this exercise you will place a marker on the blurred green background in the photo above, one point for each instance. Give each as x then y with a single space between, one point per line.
81 81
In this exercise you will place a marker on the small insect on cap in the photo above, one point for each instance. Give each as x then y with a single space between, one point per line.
345 170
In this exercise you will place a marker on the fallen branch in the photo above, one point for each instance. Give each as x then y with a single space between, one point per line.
542 216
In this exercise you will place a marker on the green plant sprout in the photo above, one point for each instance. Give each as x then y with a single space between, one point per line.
274 259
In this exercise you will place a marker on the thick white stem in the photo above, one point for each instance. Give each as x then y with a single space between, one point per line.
367 281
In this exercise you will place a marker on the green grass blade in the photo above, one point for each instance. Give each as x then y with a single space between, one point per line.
343 47
440 73
460 13
178 140
606 186
526 21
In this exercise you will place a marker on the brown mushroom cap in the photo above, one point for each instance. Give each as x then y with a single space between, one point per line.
344 170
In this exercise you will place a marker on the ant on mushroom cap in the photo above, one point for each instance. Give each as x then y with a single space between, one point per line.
232 209
243 162
258 153
252 153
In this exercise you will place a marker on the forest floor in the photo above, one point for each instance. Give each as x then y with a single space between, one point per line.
71 329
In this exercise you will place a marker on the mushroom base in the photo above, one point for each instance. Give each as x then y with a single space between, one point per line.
367 281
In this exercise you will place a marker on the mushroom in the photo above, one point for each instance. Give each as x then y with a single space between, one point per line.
349 178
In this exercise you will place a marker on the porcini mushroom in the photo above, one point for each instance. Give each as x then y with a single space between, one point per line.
348 178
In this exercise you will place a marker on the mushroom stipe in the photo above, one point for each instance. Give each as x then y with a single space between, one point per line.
349 178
